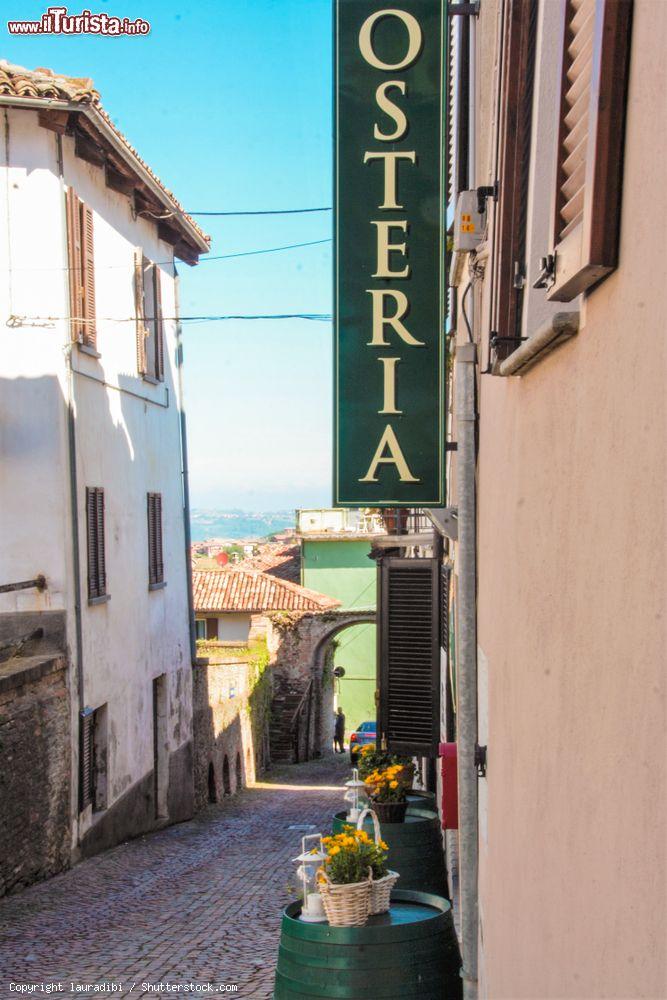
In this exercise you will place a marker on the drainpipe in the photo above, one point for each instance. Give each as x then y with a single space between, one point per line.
466 665
185 477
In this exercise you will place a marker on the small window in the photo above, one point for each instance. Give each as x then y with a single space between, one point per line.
200 628
155 561
148 306
211 628
93 758
97 578
81 263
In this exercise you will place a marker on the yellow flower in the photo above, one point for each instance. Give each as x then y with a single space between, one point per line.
393 784
334 850
383 846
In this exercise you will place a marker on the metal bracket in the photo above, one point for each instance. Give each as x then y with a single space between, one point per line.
480 760
445 520
547 275
468 9
485 192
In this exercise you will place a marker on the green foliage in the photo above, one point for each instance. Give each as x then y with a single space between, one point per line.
371 759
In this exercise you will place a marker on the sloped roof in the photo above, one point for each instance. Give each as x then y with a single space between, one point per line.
238 589
279 560
78 95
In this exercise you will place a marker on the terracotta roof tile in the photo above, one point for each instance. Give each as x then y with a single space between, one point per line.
279 560
237 589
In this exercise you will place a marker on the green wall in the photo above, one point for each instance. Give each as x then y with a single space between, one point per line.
343 570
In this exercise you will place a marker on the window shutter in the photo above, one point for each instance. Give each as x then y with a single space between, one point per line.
159 564
445 577
152 578
155 561
141 331
74 257
86 762
587 203
101 553
159 331
89 332
409 655
95 535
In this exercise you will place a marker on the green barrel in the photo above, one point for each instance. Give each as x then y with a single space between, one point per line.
411 951
415 850
422 800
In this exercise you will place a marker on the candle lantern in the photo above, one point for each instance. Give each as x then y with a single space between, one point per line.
310 860
356 796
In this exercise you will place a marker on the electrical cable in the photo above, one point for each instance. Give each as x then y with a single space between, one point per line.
252 253
17 321
270 211
463 311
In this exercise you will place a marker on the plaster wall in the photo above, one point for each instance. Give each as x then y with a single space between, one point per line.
127 441
572 621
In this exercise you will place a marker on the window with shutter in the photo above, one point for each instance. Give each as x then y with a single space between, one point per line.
155 560
587 202
97 581
86 759
149 323
81 266
409 654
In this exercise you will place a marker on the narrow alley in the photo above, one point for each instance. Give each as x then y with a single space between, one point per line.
194 903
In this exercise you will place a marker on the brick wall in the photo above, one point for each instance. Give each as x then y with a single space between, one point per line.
35 776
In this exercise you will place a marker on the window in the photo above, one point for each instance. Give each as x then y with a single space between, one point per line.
200 628
587 197
97 578
81 264
148 306
155 561
93 758
211 628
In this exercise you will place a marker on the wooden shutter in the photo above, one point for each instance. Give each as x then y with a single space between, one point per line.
141 331
155 560
587 202
445 578
409 655
89 333
95 537
74 257
159 331
86 759
518 71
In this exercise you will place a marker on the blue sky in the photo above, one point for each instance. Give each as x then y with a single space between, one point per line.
230 103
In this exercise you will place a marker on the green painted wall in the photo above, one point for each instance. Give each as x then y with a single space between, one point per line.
343 570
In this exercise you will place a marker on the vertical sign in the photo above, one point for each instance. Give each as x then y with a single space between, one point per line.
389 255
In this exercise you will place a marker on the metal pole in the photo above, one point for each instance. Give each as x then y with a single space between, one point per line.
184 470
466 664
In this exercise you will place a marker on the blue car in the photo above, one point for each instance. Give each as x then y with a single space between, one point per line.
363 734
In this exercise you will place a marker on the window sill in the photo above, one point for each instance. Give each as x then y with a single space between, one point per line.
157 586
561 327
87 349
93 601
151 379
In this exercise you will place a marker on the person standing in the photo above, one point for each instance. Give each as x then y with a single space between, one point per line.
339 731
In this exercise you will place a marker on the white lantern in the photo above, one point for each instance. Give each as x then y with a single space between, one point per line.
310 861
356 796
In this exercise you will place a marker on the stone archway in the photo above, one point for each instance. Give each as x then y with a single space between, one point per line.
299 645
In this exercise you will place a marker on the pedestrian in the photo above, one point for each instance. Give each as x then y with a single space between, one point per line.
339 731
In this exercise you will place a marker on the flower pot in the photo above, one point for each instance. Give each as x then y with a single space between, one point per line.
346 905
390 812
381 892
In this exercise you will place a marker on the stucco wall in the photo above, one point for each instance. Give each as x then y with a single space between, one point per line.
572 622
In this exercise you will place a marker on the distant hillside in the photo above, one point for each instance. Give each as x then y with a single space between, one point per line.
238 523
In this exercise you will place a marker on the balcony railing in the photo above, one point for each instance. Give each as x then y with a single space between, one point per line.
340 521
406 521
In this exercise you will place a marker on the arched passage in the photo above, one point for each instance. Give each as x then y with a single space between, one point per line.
239 773
350 647
212 788
226 777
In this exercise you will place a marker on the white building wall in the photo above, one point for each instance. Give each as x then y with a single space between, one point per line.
127 441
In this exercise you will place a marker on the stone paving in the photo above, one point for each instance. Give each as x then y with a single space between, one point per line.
192 904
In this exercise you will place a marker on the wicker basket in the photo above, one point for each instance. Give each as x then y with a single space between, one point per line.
346 905
380 888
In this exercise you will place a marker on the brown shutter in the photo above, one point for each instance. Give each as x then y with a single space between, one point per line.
409 655
587 203
141 331
155 561
159 563
101 552
86 762
95 537
159 331
74 257
88 276
151 538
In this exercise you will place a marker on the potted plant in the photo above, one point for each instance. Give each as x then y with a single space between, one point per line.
345 880
374 851
387 789
371 759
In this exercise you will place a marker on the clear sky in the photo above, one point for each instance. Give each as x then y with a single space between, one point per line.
230 103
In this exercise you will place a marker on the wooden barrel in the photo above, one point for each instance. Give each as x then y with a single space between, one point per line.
422 800
411 951
415 850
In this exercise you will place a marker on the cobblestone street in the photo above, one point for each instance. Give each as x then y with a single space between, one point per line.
194 903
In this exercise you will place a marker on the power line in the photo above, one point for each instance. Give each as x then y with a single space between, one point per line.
17 321
252 253
270 211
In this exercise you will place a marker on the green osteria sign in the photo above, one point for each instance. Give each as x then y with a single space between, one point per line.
389 283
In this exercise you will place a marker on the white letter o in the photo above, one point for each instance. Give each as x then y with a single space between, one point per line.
414 39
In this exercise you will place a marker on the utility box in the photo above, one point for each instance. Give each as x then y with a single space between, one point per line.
468 222
450 786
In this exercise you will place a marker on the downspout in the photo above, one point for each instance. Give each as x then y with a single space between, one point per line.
185 478
466 664
71 441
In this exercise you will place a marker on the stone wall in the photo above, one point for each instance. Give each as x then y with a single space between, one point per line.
231 703
35 770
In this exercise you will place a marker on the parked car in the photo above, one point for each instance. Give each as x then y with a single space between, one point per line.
363 734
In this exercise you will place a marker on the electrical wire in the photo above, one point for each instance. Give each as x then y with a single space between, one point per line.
270 211
17 321
463 311
252 253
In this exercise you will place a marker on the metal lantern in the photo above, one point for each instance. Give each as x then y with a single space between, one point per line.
310 860
356 796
